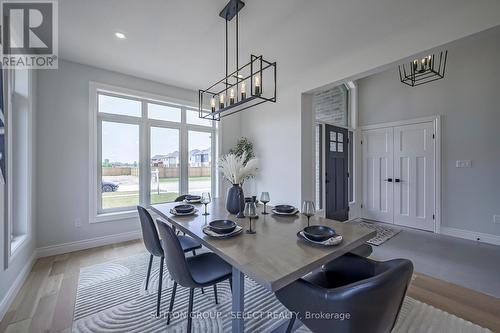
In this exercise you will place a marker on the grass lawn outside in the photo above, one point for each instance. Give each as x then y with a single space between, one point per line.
173 180
131 198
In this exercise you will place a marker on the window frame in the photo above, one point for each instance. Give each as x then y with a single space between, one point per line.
96 213
15 245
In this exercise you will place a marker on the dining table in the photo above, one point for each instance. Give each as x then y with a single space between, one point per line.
274 256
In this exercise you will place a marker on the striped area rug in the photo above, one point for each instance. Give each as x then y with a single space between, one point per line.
111 299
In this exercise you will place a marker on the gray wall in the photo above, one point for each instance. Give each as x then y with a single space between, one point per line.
63 150
468 100
281 132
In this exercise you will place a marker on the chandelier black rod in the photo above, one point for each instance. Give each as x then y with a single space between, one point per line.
229 85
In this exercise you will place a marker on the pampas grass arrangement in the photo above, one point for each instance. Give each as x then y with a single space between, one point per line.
235 170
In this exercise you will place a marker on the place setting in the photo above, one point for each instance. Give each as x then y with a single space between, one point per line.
320 235
183 210
284 210
222 229
191 199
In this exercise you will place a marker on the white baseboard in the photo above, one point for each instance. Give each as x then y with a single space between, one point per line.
16 286
87 244
471 235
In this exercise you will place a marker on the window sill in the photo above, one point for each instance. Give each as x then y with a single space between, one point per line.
109 217
16 246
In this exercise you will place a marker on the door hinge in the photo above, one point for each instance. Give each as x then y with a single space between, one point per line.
361 141
433 216
348 175
433 136
348 209
361 206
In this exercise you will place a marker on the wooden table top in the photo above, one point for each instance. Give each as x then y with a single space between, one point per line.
274 256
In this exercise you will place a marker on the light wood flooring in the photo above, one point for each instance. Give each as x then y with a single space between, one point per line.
46 301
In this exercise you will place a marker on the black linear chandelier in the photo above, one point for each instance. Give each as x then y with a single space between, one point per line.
425 70
230 95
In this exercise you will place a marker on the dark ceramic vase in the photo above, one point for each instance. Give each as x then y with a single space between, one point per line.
235 199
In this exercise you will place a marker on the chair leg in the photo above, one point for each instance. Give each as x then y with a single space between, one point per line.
202 291
215 293
190 310
149 271
290 324
160 281
171 307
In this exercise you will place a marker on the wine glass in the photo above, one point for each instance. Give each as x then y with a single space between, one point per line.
250 212
264 198
308 210
206 199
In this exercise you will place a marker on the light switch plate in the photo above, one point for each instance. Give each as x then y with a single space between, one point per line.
463 164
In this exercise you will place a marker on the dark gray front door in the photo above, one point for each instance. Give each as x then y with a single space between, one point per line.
336 173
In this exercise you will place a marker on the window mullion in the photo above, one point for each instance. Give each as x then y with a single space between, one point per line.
144 147
184 167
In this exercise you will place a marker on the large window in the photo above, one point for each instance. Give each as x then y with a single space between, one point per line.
147 151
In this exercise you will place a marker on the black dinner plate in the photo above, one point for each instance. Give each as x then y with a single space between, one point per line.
192 197
222 226
284 208
184 209
319 233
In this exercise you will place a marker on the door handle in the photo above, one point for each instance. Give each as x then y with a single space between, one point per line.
397 180
389 180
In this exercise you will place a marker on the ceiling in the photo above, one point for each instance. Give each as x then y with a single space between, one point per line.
181 42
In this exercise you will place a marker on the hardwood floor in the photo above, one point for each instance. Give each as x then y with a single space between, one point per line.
46 301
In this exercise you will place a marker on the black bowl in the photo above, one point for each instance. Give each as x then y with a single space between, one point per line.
192 197
318 233
284 208
222 226
184 209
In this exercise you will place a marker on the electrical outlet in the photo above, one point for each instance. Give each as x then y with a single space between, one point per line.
78 223
496 219
463 164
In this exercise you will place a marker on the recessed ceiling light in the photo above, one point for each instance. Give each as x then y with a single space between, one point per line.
120 35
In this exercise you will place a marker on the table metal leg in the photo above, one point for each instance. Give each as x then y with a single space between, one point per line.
238 323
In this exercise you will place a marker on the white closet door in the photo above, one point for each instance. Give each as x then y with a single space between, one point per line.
377 175
414 176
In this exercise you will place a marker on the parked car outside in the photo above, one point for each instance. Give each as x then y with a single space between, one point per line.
109 186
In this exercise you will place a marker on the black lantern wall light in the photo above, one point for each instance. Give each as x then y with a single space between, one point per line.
249 85
425 70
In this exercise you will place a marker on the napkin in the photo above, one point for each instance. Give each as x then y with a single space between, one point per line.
337 239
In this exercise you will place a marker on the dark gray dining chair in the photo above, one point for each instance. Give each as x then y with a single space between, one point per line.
154 247
371 293
364 250
203 270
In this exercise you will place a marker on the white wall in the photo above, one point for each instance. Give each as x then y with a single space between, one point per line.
63 150
276 129
468 100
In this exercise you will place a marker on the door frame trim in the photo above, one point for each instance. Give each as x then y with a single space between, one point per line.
436 120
